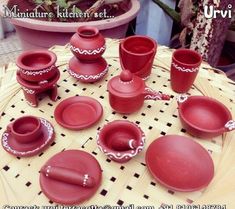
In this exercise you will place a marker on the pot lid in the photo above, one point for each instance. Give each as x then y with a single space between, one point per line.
127 84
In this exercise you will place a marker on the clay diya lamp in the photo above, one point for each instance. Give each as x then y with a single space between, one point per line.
179 163
27 136
204 117
33 90
137 55
127 93
87 43
88 72
37 66
70 177
120 140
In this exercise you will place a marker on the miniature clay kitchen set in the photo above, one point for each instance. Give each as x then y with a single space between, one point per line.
74 176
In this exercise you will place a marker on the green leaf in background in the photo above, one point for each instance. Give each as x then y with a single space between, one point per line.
38 1
76 10
171 12
62 4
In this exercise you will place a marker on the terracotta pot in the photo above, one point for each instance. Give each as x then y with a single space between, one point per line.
59 33
37 65
86 71
25 129
123 133
137 54
87 43
127 93
204 117
184 69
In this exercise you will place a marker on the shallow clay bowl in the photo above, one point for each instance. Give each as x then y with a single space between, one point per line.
111 137
37 65
204 117
179 163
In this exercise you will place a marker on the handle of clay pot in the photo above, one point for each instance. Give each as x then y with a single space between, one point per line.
120 55
68 176
229 126
138 72
181 99
9 127
150 94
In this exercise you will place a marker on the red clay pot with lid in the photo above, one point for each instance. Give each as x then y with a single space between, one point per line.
87 43
37 65
127 93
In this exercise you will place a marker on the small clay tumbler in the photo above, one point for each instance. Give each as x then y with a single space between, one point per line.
25 129
184 69
137 54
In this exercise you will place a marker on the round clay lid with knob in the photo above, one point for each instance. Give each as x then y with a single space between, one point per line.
126 85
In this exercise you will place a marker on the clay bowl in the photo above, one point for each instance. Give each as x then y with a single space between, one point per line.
204 117
120 140
37 65
25 129
179 163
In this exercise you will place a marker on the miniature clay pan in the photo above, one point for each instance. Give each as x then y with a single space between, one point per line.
70 177
78 112
16 148
204 117
179 163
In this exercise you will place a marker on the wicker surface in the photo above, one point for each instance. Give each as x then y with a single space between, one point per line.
129 183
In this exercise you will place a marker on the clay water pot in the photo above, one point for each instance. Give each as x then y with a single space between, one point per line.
87 43
137 55
127 93
204 117
37 66
120 140
25 129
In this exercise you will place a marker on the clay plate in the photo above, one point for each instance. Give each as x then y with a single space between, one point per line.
78 112
35 147
68 193
179 163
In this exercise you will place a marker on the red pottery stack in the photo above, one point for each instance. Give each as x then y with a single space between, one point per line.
87 45
37 74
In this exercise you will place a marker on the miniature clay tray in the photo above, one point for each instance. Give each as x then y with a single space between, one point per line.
122 184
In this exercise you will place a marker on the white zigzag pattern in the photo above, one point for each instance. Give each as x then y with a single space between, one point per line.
89 51
35 73
183 69
88 77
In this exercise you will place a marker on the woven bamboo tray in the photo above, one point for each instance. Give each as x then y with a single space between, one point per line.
122 184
